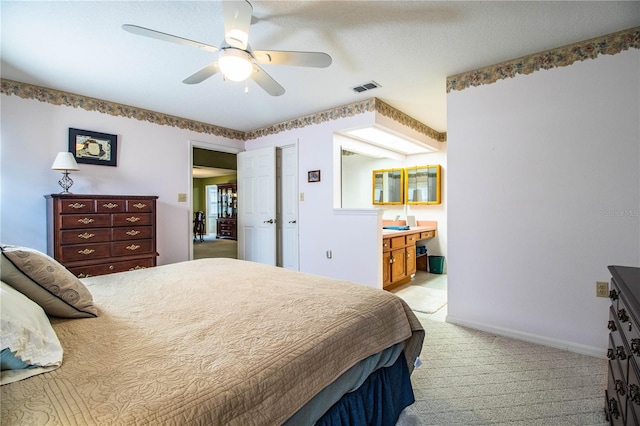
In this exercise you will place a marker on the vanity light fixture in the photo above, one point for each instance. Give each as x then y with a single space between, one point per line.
388 139
66 162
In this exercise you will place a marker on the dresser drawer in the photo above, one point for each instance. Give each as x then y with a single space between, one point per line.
128 219
85 252
633 396
83 236
110 206
617 395
77 206
629 328
139 206
132 233
73 221
126 248
112 267
618 351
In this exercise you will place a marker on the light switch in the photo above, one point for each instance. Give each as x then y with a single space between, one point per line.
302 196
182 198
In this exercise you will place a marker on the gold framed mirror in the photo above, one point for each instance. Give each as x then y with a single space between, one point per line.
388 186
423 184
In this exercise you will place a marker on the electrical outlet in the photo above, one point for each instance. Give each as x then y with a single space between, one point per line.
602 289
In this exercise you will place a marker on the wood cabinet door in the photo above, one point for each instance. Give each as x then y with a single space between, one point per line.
411 259
386 268
399 264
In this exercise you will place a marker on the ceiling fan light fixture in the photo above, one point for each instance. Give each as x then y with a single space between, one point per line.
235 64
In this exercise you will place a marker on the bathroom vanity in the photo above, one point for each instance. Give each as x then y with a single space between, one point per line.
399 258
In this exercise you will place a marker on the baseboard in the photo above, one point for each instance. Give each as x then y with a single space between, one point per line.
531 338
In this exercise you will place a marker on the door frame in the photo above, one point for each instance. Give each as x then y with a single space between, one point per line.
210 147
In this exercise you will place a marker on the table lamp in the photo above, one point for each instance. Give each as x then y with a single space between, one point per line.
65 161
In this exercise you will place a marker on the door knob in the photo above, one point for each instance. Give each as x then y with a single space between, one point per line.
292 221
268 221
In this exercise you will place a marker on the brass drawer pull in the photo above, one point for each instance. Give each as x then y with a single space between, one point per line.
83 275
139 205
133 247
634 394
611 354
620 387
133 219
138 267
622 315
86 236
77 205
110 206
613 294
132 233
86 220
621 353
612 326
111 268
613 408
635 347
86 252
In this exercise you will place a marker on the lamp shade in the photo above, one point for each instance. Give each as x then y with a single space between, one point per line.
235 64
64 161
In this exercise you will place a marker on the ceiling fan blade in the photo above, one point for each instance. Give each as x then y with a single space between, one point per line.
237 19
203 74
300 59
267 82
134 29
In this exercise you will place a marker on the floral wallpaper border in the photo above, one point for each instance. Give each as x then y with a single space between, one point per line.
58 97
610 44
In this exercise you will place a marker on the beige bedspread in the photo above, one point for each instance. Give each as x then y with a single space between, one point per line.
212 341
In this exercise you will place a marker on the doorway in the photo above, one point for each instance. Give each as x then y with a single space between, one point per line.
213 168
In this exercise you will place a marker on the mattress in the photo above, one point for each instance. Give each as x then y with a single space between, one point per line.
210 341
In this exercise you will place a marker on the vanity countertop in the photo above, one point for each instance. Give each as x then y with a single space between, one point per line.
412 230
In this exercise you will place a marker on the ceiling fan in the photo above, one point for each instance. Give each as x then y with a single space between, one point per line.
236 60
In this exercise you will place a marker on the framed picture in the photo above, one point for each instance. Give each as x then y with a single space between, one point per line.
314 176
93 147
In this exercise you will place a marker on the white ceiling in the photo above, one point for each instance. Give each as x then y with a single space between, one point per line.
408 47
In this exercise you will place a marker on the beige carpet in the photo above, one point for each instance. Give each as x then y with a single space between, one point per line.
470 377
212 247
423 299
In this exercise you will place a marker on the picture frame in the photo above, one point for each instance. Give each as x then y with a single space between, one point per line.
93 147
313 176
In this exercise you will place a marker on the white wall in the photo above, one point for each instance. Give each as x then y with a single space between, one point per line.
352 236
152 160
544 193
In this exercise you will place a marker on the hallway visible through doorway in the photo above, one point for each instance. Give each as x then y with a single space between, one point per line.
212 247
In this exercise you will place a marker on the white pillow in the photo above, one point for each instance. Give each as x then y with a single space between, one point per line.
28 335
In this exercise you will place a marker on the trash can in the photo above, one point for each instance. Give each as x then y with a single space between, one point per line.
436 264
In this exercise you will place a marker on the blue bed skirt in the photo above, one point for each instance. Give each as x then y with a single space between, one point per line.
378 401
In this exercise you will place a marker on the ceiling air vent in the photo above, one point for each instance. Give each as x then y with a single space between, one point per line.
366 86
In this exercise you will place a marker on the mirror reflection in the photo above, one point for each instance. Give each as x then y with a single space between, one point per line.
388 186
423 184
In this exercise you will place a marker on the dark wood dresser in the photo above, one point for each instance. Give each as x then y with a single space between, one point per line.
101 234
622 395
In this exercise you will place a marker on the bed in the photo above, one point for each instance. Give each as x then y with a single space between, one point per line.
223 341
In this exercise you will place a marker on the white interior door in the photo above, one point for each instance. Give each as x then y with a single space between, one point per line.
288 207
257 205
